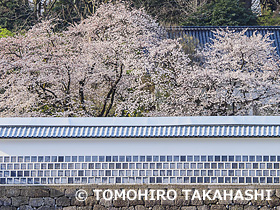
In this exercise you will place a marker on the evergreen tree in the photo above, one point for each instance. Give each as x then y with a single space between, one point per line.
222 13
15 14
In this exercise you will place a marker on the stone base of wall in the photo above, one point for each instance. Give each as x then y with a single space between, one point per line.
63 198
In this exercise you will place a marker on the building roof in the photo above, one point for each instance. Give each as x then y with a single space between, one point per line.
204 33
153 127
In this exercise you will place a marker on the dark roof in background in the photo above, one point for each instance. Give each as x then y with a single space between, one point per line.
204 33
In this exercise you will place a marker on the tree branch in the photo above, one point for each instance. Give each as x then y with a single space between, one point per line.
111 95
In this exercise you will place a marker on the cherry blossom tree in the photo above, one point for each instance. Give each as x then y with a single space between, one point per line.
119 62
116 62
238 75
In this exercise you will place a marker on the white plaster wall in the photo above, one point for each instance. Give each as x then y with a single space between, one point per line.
141 146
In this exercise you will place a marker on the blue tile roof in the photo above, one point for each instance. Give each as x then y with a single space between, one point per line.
138 132
140 127
204 33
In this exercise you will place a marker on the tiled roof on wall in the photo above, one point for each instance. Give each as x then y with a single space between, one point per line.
138 132
180 127
204 33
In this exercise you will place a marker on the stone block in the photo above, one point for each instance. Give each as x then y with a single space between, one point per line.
158 207
4 201
2 191
48 208
140 207
75 202
188 208
171 208
225 202
136 202
247 207
265 208
149 203
35 193
275 201
218 207
98 207
70 192
277 193
63 201
204 207
25 207
84 208
207 201
123 208
167 202
36 202
49 202
12 192
7 208
19 201
236 207
54 193
106 203
196 202
120 203
70 208
240 201
181 201
91 201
